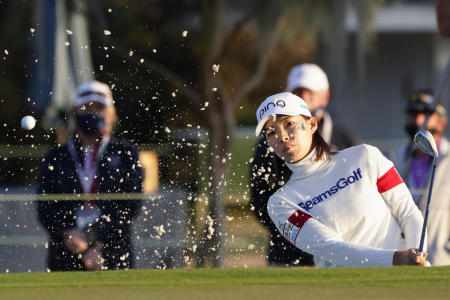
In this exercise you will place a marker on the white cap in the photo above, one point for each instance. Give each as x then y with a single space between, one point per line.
280 104
308 76
93 91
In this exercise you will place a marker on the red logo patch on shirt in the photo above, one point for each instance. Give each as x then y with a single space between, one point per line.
292 227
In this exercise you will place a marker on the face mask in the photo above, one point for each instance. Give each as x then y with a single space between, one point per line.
89 123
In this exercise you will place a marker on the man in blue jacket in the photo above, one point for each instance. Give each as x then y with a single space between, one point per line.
90 234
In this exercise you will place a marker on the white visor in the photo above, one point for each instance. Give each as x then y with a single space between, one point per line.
280 104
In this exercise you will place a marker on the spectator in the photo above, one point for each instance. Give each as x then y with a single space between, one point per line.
415 167
268 172
94 234
347 208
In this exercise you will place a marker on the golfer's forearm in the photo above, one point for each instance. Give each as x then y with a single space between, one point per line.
326 245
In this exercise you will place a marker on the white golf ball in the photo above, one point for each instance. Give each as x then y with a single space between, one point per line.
28 122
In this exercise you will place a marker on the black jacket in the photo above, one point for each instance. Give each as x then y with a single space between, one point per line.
267 174
118 171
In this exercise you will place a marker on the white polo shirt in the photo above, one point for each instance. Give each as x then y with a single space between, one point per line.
349 211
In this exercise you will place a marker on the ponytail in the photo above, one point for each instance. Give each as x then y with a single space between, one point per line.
322 149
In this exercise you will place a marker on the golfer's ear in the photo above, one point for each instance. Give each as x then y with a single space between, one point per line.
313 124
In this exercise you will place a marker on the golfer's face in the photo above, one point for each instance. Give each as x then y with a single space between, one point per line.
290 136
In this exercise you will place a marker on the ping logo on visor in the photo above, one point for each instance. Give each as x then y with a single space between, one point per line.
273 104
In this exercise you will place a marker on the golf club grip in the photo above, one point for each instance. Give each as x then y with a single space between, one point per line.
422 237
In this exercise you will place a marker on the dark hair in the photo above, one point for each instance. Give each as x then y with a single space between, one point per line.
322 148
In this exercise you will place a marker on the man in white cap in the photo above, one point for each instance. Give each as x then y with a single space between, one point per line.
268 172
90 234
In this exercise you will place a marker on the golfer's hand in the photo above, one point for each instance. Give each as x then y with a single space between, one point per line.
409 257
75 240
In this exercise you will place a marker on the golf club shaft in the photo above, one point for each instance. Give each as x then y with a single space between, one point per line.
424 227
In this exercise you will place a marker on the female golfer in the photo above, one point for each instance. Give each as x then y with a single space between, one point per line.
349 208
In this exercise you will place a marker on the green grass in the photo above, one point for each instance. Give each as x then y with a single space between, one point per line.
268 283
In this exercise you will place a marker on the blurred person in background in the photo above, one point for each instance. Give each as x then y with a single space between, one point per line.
348 208
90 234
415 167
268 172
